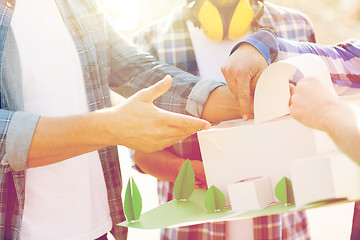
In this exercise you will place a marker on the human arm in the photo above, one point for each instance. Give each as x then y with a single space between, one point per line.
220 105
133 69
244 65
165 165
315 105
135 123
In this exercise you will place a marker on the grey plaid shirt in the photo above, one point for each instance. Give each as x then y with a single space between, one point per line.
107 59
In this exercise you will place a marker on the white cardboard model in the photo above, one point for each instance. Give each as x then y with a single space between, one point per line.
235 151
251 194
323 177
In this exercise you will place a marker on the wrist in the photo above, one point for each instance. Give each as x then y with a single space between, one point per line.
265 41
99 126
331 115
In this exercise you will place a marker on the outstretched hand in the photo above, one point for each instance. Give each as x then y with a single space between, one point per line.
140 125
242 71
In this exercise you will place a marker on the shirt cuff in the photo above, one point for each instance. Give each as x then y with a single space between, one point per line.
265 42
199 95
19 135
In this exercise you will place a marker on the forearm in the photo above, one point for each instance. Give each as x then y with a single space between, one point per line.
133 69
342 125
57 139
221 105
164 165
135 123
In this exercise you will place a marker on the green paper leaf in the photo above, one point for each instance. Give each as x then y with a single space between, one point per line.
284 191
132 202
215 199
185 182
136 200
175 213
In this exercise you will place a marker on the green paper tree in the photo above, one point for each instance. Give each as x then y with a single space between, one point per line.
185 182
132 202
215 199
284 191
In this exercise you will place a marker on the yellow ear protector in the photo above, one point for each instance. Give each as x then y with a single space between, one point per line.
219 22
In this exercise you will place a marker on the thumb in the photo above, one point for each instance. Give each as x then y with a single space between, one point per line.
292 91
149 94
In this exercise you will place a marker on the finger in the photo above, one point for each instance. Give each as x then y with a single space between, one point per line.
169 137
185 121
244 96
292 91
149 94
199 170
200 185
232 83
230 77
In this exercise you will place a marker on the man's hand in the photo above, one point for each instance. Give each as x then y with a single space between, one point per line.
200 178
142 126
242 71
135 123
312 103
316 105
165 166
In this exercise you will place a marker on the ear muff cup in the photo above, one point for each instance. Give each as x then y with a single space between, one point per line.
241 20
212 21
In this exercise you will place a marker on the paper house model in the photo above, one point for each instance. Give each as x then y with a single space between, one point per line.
254 193
323 177
237 150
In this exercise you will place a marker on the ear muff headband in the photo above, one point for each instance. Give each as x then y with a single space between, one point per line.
241 20
211 21
214 24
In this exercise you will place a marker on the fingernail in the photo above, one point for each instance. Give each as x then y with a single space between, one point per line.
245 117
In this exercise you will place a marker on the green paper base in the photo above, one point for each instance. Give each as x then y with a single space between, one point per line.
193 211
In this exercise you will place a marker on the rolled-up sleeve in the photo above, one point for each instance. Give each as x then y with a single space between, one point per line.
18 139
133 69
199 95
265 42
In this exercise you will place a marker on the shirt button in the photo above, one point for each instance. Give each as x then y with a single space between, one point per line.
8 4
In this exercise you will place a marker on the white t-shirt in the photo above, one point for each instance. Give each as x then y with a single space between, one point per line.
209 63
66 200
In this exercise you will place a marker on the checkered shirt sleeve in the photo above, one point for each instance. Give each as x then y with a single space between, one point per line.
342 59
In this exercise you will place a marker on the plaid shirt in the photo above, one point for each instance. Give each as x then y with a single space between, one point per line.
342 59
169 41
107 59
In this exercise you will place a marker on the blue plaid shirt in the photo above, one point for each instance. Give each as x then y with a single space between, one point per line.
342 59
107 59
169 41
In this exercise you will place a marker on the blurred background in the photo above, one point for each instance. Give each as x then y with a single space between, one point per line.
333 20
